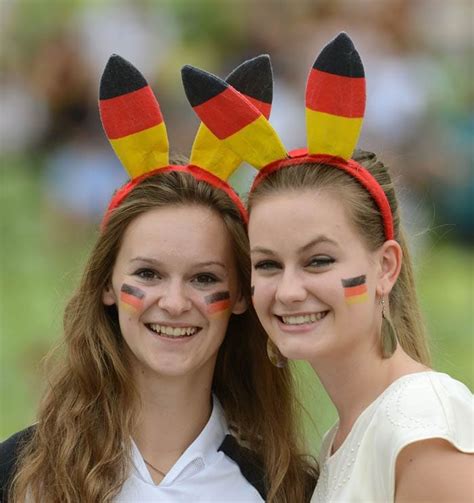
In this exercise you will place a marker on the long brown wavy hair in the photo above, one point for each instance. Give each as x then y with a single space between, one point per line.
79 448
365 216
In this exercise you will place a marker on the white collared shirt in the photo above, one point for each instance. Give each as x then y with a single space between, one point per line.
202 474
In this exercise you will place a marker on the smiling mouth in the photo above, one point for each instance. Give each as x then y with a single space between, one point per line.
170 332
303 319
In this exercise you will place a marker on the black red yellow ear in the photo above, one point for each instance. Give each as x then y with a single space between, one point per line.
254 80
232 118
131 118
335 99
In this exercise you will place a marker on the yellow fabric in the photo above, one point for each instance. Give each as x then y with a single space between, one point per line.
331 134
212 154
257 143
144 151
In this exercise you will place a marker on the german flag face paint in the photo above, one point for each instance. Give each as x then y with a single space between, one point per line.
132 118
132 297
335 99
355 289
217 303
232 118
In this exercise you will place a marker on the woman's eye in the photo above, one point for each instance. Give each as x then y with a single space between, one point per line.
205 279
266 265
146 274
320 261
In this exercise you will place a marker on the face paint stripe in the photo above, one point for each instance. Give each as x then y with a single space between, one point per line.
217 307
357 280
130 300
216 297
357 298
132 290
355 290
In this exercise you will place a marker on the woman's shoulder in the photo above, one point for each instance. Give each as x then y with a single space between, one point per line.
426 405
9 450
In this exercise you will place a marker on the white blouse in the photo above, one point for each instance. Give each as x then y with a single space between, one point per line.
201 474
415 407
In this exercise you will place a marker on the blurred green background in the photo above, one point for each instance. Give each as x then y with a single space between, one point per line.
58 171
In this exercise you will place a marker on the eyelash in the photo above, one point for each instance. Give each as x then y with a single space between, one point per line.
266 265
146 274
316 262
320 262
202 280
210 279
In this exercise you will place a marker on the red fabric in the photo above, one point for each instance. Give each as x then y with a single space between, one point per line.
130 113
351 167
221 124
197 172
264 108
335 94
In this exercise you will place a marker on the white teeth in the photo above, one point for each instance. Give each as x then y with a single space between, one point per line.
302 319
172 331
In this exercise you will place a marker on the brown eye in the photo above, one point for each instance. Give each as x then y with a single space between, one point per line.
146 274
205 279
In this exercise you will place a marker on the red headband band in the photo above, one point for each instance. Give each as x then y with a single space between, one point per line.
351 167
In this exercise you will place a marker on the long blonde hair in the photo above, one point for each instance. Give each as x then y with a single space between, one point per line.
78 451
365 216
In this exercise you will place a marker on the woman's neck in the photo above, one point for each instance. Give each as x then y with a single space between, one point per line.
174 411
355 380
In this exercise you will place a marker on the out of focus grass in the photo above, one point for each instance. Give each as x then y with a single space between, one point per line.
41 259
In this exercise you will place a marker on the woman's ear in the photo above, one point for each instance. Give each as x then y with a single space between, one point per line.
390 258
240 305
108 296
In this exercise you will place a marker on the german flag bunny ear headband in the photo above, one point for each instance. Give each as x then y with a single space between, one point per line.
335 105
134 125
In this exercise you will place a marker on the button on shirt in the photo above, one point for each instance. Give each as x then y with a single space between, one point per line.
201 474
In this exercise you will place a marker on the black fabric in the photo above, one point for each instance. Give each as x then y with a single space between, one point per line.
200 86
340 57
250 467
120 77
9 450
254 78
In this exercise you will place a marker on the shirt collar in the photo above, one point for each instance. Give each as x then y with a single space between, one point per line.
197 456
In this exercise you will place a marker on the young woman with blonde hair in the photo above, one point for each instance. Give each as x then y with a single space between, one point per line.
333 285
163 391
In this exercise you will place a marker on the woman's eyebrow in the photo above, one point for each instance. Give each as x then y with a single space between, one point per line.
317 240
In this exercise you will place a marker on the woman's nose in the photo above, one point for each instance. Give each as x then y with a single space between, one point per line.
174 299
290 288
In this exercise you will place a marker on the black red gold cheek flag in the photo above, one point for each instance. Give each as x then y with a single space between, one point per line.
132 118
232 118
254 80
335 99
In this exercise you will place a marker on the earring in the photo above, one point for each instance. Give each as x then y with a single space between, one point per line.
275 356
388 336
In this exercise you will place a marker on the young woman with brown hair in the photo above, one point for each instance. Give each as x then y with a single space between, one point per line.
163 392
333 285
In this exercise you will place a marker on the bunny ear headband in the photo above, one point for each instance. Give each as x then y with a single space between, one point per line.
134 125
335 105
